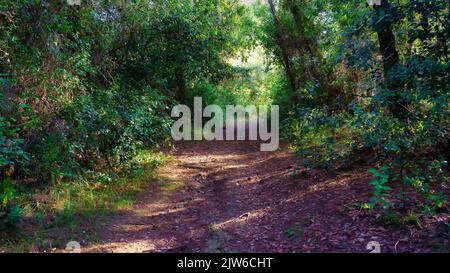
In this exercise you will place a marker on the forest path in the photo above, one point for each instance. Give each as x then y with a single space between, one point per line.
228 196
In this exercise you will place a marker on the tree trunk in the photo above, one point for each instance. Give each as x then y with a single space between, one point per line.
283 49
181 86
388 50
306 43
386 39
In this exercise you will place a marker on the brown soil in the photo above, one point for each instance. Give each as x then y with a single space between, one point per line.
227 196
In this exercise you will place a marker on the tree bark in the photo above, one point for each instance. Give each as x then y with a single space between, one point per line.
307 43
181 86
388 50
283 50
386 39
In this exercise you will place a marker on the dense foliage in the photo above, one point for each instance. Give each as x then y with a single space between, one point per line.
86 90
367 79
86 87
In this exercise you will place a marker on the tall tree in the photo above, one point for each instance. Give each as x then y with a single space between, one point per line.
387 46
386 37
283 49
299 22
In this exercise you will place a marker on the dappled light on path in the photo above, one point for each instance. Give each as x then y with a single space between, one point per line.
227 196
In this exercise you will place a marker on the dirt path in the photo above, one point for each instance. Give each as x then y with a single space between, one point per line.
230 197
